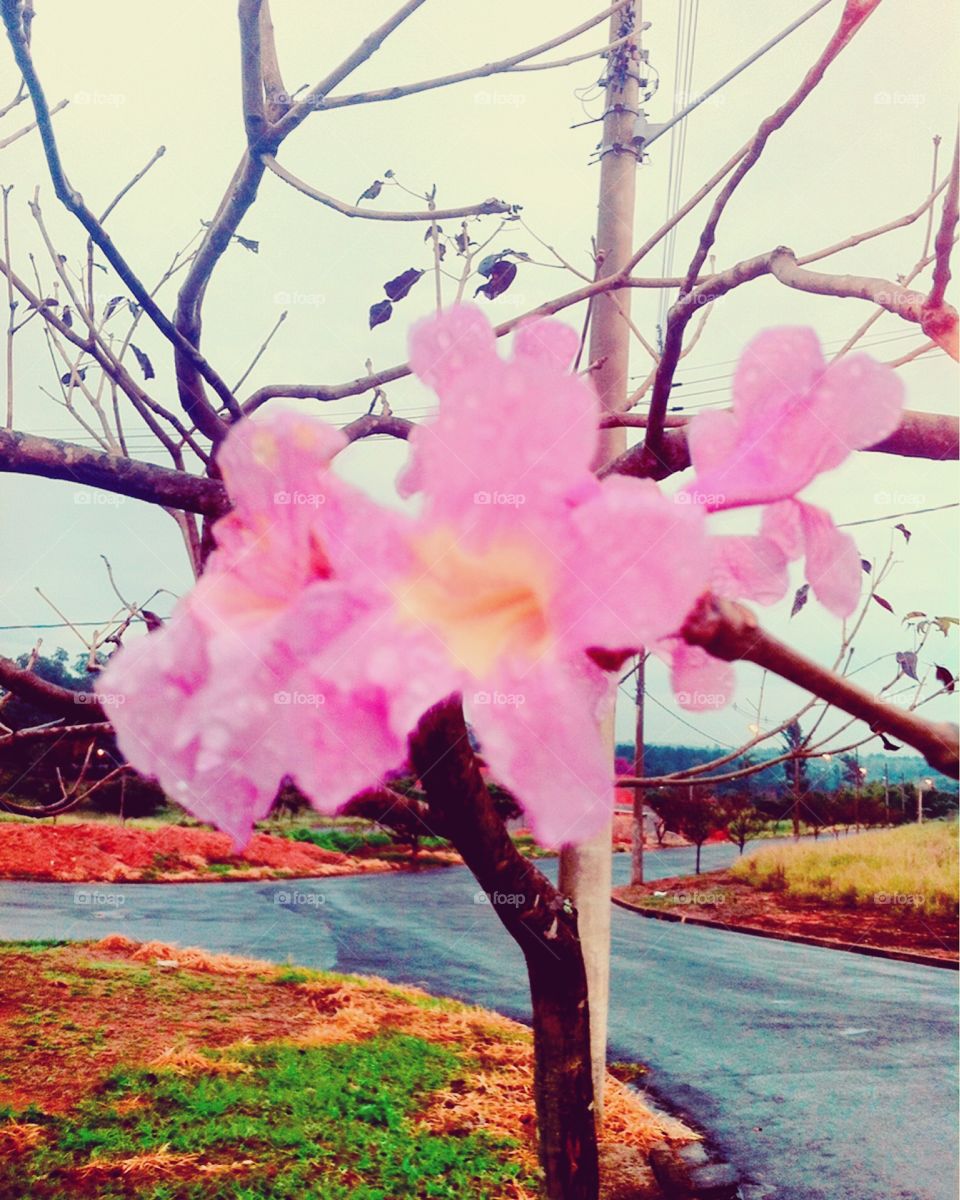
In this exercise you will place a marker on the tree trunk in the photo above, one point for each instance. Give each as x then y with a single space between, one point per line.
544 925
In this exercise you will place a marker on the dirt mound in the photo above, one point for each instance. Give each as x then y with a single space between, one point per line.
87 853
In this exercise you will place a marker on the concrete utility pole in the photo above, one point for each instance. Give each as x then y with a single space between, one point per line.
639 795
586 870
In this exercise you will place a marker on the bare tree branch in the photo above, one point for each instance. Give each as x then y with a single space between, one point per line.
855 12
318 97
938 321
730 631
82 707
24 454
73 201
372 214
933 436
946 234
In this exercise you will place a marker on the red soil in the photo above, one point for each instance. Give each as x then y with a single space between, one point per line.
171 854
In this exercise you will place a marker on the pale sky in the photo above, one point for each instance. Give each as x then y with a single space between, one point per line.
857 154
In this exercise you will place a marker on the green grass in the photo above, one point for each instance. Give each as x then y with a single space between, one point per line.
350 841
914 867
332 1122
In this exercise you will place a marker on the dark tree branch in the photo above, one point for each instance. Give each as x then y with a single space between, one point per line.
934 436
24 454
730 631
82 707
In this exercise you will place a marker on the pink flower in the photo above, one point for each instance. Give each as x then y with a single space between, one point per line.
793 417
524 571
217 704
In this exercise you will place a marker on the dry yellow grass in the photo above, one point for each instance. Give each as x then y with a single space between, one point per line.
914 867
497 1093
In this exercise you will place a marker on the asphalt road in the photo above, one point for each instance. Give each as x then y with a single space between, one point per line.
822 1075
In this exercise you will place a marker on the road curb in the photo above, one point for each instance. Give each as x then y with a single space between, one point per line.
923 960
686 1173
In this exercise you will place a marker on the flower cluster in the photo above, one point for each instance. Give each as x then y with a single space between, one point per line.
325 624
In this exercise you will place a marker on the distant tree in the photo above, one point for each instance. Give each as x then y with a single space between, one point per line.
819 810
743 820
795 770
696 816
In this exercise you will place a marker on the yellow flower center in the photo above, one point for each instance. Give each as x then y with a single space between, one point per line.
482 605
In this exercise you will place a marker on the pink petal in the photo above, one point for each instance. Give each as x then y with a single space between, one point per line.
283 452
712 437
639 563
511 437
776 368
794 419
540 733
446 350
859 403
208 739
781 525
832 561
701 683
749 568
549 344
337 742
